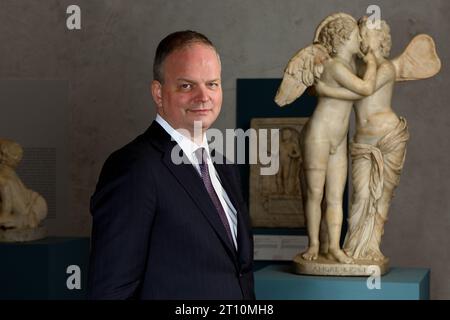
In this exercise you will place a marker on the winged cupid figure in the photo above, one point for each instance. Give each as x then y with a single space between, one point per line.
378 148
330 59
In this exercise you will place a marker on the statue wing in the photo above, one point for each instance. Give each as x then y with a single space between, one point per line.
300 73
418 61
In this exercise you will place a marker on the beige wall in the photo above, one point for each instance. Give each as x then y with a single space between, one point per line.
108 64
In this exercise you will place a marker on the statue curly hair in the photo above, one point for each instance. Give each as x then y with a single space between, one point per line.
384 31
334 33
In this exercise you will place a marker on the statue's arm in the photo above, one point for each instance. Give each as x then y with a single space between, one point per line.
347 79
385 74
340 93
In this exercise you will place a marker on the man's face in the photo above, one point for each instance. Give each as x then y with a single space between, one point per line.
191 90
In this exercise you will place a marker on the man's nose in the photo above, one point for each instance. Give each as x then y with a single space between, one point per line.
202 94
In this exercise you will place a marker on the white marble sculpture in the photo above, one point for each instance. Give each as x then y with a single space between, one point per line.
21 209
379 145
323 142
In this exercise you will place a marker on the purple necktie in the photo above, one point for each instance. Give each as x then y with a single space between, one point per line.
200 153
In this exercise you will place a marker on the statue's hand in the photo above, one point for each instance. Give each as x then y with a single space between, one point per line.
369 57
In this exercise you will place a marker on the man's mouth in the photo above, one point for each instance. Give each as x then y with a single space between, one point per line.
199 111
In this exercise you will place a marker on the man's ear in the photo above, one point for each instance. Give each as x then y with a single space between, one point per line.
157 93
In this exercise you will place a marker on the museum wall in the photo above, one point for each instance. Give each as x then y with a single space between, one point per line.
107 66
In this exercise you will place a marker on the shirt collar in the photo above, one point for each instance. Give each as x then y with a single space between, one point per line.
186 144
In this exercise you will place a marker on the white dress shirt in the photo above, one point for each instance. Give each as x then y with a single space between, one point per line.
189 147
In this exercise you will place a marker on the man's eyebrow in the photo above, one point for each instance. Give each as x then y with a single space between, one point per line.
192 81
185 80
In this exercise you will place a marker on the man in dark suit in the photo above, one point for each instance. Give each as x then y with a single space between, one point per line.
165 230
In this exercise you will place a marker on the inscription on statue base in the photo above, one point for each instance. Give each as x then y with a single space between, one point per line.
327 267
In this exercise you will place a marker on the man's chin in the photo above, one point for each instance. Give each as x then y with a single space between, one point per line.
205 119
200 123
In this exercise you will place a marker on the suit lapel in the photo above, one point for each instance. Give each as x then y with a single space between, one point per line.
189 179
243 235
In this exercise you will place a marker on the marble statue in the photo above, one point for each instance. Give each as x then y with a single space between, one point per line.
378 148
324 138
21 209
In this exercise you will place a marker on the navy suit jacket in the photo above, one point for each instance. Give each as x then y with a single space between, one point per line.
156 233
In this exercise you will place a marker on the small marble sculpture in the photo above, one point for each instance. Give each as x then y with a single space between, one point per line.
378 148
21 209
